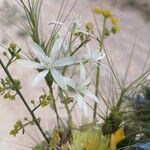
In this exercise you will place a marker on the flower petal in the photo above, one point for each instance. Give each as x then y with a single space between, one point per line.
82 104
65 61
86 82
30 64
38 51
82 73
91 95
56 23
88 50
99 55
69 82
56 48
80 101
85 110
59 79
39 77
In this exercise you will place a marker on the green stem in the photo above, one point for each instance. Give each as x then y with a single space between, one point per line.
96 91
36 107
98 71
24 101
55 107
84 42
9 62
119 103
69 118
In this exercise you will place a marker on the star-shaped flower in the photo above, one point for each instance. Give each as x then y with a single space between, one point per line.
93 56
51 63
81 89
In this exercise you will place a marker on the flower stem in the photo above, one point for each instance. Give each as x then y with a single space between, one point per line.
24 101
96 91
98 70
55 107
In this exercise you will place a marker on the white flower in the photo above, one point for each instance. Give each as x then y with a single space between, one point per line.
77 20
81 89
51 63
94 56
56 23
78 24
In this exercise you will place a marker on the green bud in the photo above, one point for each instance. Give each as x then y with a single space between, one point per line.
13 46
32 102
25 119
45 100
1 89
5 53
115 29
18 56
107 32
6 95
13 132
18 125
12 97
89 26
67 100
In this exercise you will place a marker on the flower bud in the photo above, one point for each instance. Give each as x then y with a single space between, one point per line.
13 46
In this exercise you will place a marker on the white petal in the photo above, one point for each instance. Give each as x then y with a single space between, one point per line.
56 23
69 82
85 110
82 104
56 48
86 82
30 64
91 95
82 73
88 50
64 62
65 47
59 79
80 101
38 51
39 77
84 32
100 55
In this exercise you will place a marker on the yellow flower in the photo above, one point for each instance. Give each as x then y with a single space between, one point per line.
106 13
97 10
114 20
116 138
91 139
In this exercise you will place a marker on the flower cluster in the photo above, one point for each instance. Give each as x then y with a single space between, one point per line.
17 127
7 88
108 15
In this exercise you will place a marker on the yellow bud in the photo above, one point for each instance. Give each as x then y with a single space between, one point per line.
106 13
97 10
13 132
114 20
115 29
18 56
18 125
12 97
89 26
6 95
13 45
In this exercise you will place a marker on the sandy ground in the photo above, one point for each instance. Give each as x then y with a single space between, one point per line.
133 29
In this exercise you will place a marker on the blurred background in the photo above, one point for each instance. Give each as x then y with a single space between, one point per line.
134 16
